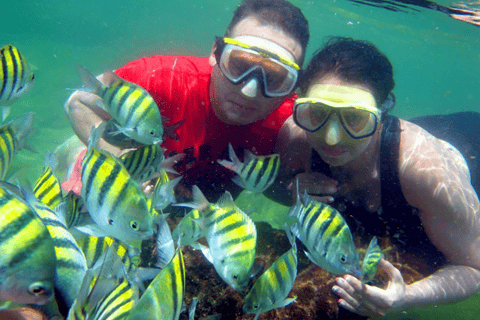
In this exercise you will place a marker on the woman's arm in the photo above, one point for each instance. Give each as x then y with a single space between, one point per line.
434 179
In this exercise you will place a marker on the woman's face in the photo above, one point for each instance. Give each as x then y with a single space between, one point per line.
332 142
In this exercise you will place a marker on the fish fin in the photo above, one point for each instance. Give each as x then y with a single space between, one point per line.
239 182
234 162
163 189
258 266
110 77
291 235
93 230
169 162
285 302
90 83
312 258
248 157
5 112
256 316
169 131
205 250
226 201
191 309
95 134
164 247
23 128
199 201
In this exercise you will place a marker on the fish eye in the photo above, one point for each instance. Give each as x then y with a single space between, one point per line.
255 306
134 225
152 133
343 259
235 276
32 77
110 222
37 289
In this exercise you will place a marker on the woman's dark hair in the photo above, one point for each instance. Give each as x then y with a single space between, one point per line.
281 13
354 61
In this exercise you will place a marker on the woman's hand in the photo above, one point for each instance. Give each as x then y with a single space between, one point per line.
371 301
318 186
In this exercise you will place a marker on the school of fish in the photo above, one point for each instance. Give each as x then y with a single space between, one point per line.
75 256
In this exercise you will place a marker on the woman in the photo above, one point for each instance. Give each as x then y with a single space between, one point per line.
387 176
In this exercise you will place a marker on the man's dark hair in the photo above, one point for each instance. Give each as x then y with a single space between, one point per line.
281 13
354 61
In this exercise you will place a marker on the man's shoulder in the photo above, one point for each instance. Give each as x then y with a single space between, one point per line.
162 63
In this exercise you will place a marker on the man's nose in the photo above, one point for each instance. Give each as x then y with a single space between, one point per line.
250 89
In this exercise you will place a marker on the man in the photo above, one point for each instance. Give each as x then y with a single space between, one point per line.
241 94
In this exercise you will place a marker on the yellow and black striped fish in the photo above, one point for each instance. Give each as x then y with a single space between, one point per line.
48 189
106 292
144 162
163 298
27 259
231 236
271 289
371 260
13 138
71 264
16 78
255 173
135 112
114 200
94 248
325 233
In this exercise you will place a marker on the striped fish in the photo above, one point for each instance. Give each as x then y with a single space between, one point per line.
16 78
135 112
27 259
95 247
187 229
47 188
256 173
271 289
114 200
106 293
371 260
231 236
163 298
326 235
13 138
163 192
144 162
71 264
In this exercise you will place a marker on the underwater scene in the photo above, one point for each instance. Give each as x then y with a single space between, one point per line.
434 48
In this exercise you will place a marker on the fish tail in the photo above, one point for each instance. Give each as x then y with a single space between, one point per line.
234 162
23 128
199 201
91 83
95 135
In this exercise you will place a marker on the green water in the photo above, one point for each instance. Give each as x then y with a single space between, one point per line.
436 63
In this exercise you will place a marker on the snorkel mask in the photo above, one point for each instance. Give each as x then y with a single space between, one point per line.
355 108
257 62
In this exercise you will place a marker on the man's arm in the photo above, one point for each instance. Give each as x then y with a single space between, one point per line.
84 112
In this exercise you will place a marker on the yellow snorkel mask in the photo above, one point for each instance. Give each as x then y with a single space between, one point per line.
356 109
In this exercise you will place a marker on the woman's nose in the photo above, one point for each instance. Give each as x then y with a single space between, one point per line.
333 131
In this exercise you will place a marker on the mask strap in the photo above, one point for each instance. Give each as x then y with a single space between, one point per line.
388 105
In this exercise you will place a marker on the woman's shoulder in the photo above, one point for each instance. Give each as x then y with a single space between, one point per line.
426 161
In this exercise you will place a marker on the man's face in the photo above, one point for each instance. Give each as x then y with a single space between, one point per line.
229 103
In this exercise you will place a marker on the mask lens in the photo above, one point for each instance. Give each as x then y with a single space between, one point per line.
358 122
238 62
311 116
